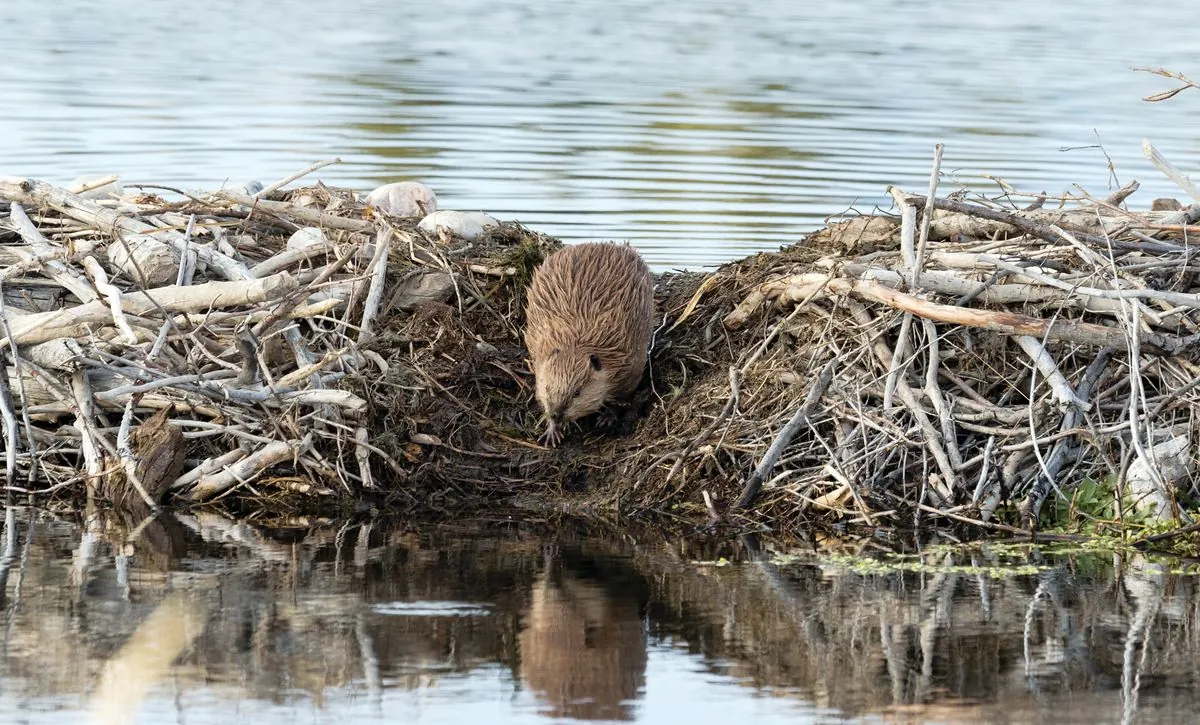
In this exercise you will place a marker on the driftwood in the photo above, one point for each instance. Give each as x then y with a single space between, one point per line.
152 312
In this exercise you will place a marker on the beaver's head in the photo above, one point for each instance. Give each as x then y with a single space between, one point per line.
572 382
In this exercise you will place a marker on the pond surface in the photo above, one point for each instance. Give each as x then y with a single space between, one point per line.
699 130
198 619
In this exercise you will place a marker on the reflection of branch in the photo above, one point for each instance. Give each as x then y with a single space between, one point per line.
366 647
1139 631
10 550
1174 75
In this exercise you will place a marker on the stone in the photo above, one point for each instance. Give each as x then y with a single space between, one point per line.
306 237
469 225
404 199
1171 462
423 289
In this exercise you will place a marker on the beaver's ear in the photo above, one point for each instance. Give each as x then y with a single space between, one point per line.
554 351
595 361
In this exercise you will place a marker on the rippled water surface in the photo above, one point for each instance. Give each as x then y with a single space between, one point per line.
198 619
698 130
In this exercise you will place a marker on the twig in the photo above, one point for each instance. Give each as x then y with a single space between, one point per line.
682 456
362 453
1042 360
246 469
128 461
112 294
927 218
377 269
800 418
1164 95
44 253
1181 179
270 189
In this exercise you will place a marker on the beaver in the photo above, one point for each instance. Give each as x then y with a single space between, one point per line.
589 318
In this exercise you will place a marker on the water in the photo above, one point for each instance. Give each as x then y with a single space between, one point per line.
200 619
701 131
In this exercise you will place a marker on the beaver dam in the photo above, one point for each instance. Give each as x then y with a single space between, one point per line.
1010 360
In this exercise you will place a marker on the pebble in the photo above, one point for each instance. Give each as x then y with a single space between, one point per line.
469 225
404 199
248 188
306 237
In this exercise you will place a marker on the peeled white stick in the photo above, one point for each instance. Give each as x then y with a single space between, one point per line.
112 294
1181 179
247 468
1059 385
378 271
44 252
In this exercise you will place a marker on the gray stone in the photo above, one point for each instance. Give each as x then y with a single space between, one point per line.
469 225
404 199
424 288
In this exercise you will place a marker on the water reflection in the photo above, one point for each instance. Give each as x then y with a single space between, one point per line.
496 622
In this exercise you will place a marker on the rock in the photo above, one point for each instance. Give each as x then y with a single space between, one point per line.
306 237
144 259
1171 460
469 225
404 199
424 288
247 188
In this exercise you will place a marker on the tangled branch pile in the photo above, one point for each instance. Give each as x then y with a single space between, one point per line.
965 359
196 345
979 359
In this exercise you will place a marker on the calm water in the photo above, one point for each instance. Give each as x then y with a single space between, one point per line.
199 620
698 130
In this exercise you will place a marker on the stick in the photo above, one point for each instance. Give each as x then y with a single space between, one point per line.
243 470
1059 385
42 194
12 435
1006 323
933 391
112 294
1181 179
44 252
1025 225
128 461
908 256
209 466
14 353
927 217
84 411
289 179
187 267
308 216
378 271
363 454
800 418
43 326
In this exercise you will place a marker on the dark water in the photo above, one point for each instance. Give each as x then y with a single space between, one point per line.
700 130
200 620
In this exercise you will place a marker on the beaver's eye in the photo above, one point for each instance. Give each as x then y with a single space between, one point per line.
595 361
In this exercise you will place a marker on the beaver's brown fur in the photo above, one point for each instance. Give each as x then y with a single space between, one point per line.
588 323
